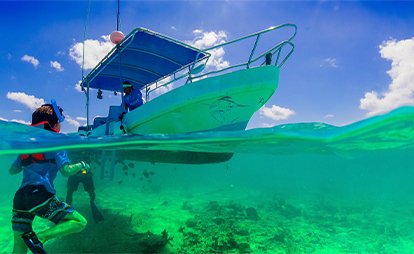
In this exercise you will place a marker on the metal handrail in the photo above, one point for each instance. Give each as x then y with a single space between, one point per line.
274 50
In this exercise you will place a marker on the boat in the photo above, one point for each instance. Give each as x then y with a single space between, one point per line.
203 98
208 100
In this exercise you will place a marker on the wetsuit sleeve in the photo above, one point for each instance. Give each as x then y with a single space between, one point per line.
63 164
16 167
62 159
71 169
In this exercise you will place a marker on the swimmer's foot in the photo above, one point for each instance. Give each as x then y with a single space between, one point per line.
31 240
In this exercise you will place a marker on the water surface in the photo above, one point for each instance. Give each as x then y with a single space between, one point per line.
295 188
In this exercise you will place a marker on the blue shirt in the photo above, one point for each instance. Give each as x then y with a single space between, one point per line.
133 100
43 173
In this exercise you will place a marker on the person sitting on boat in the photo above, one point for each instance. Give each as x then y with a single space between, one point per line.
36 195
132 97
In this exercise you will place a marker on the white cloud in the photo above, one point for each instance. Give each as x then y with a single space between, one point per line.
329 116
265 125
15 120
173 28
29 101
166 88
276 113
17 111
31 60
81 118
78 86
71 121
20 121
330 62
400 91
56 65
161 89
95 51
203 40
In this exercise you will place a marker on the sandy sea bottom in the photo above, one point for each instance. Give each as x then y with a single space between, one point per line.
257 203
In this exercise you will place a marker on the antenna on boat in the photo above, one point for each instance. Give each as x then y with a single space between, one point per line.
117 18
116 38
83 64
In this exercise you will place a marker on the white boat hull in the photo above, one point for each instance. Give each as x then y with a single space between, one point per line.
225 102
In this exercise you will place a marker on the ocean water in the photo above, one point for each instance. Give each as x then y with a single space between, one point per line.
294 188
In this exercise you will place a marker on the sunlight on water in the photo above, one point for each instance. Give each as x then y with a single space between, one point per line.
297 188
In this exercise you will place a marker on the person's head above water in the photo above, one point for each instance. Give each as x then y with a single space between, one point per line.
50 114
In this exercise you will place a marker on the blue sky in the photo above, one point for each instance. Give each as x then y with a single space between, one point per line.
352 59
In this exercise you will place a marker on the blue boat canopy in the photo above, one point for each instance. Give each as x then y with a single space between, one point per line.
142 58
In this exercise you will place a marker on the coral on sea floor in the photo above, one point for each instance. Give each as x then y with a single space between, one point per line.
218 228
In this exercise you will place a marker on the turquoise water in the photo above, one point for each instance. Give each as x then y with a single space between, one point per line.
296 188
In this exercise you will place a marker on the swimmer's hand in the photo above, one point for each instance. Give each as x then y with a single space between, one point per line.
72 169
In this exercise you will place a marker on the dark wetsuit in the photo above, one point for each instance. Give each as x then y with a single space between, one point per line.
88 186
73 184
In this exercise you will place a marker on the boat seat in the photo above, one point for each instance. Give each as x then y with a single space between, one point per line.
115 113
97 121
82 128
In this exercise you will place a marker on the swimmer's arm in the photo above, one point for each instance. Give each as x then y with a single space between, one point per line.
72 169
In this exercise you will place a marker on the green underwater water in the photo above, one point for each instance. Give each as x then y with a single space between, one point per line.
297 188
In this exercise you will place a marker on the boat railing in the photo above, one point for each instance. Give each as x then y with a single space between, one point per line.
198 70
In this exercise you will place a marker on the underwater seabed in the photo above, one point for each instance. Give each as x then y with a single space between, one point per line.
300 188
255 203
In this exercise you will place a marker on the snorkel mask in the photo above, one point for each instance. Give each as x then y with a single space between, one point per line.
58 111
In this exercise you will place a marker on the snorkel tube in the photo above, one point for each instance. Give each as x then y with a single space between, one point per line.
56 108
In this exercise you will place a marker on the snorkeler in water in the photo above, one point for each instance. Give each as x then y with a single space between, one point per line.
37 195
88 186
